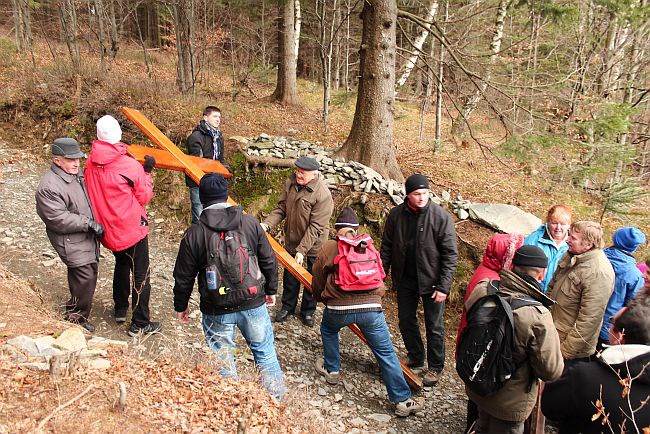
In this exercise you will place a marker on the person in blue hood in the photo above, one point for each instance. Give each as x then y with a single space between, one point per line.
628 278
551 237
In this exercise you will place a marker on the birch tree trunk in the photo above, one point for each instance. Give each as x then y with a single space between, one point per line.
296 27
285 90
326 51
371 137
418 44
458 125
439 89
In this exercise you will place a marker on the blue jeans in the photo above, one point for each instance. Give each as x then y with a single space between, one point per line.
374 328
255 326
197 207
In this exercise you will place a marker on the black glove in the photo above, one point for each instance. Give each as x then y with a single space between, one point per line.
148 164
96 227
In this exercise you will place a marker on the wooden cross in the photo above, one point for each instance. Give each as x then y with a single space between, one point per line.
172 158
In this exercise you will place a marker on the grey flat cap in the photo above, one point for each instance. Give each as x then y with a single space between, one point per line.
67 148
307 163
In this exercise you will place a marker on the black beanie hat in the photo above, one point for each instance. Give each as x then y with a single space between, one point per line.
213 188
530 256
347 219
416 182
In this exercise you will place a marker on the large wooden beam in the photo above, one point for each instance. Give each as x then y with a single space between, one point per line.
287 261
164 160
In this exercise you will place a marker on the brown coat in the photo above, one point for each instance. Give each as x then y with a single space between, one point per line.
581 287
323 286
306 214
62 203
536 352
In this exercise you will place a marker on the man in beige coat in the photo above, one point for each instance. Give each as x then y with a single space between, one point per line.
581 287
536 350
306 206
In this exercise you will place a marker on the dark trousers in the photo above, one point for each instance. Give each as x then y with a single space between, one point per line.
133 261
408 298
291 290
488 424
82 282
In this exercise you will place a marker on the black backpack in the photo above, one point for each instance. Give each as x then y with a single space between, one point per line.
232 273
485 347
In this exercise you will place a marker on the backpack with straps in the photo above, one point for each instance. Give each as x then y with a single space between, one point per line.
486 345
358 265
232 272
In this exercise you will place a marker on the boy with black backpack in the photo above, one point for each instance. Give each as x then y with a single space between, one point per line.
237 273
510 342
348 278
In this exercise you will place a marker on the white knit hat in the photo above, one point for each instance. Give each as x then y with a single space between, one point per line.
108 129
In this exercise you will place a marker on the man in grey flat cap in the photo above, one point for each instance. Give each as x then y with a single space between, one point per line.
306 206
62 203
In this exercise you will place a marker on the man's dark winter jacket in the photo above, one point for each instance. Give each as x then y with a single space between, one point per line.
192 258
199 144
436 250
571 400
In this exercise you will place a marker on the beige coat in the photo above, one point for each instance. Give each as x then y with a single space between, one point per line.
306 214
536 352
581 287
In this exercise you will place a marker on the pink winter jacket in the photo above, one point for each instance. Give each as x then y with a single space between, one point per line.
119 189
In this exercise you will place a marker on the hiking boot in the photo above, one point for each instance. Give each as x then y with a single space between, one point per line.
120 316
330 377
407 407
151 328
431 378
412 363
282 315
308 320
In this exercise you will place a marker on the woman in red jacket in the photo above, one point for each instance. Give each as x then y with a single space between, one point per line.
119 189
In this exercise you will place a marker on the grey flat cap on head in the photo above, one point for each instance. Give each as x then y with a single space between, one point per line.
307 163
67 148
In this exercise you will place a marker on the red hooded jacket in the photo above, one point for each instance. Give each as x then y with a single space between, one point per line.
498 256
119 189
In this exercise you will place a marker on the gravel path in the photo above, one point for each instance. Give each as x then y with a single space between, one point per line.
358 405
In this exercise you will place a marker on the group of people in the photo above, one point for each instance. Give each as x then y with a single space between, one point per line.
579 287
588 337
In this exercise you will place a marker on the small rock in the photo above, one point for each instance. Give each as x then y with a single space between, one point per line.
322 391
50 263
98 364
380 417
71 339
357 422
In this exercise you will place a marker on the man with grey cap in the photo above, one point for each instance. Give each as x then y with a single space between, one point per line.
306 206
62 203
536 345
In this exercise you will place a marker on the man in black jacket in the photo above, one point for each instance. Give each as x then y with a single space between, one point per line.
609 394
206 141
227 302
419 243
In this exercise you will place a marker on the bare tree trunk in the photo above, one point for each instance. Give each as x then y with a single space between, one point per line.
459 123
439 89
285 90
296 27
100 14
326 50
263 43
183 15
346 74
23 24
113 34
418 44
371 137
70 25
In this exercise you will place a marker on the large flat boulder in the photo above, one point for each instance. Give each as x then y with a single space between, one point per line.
504 218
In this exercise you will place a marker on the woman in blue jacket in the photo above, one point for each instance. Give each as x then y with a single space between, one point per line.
551 238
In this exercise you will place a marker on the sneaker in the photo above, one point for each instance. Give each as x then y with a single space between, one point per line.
330 377
282 315
120 316
308 320
408 407
431 378
151 328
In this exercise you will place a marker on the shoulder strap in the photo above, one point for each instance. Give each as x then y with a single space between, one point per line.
516 303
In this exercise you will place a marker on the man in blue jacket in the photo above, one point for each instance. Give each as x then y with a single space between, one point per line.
628 279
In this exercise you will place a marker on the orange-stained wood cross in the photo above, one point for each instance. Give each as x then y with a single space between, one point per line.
170 157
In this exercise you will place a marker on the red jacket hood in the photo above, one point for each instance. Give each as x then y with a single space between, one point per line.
500 251
104 152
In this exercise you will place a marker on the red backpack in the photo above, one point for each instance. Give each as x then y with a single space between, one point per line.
358 265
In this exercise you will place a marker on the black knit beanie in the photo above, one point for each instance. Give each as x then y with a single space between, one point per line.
530 256
347 219
416 182
213 188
